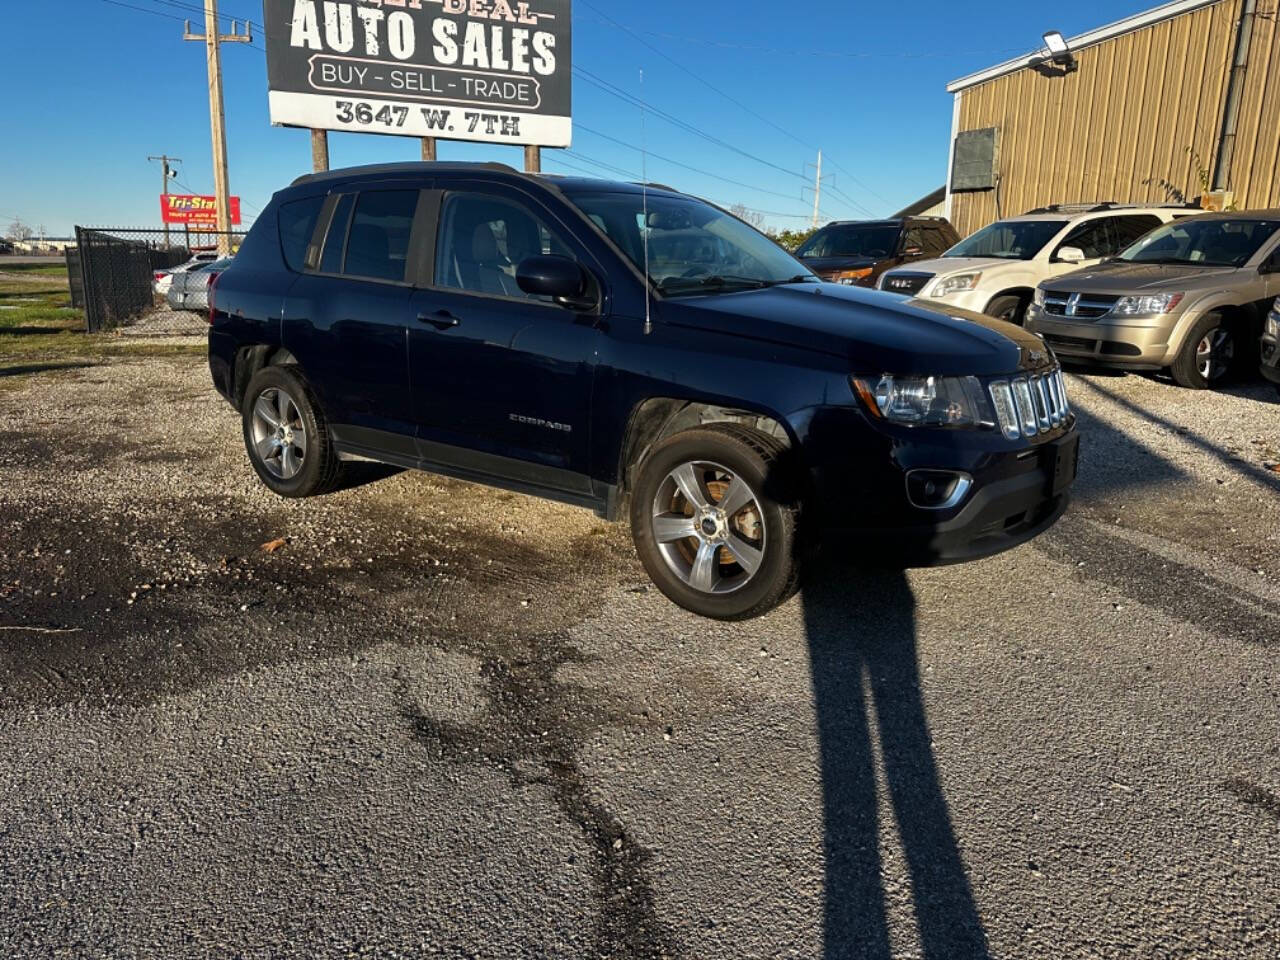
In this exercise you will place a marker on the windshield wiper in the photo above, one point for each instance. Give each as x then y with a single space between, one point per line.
798 278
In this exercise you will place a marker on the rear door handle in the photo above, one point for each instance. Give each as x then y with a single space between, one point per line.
441 319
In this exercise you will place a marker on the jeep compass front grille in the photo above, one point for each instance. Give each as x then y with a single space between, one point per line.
1031 404
1078 306
909 283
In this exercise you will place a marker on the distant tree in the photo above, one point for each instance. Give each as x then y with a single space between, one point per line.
18 231
791 239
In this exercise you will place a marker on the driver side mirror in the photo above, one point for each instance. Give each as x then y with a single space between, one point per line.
563 280
1070 255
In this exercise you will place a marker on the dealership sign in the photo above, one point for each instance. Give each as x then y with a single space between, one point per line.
194 210
496 71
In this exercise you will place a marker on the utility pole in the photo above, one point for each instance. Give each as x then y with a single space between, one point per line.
429 149
532 159
167 172
319 151
217 119
817 191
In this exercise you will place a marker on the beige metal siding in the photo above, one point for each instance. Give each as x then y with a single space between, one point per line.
1255 178
1124 126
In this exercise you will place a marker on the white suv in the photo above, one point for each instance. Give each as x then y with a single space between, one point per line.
996 270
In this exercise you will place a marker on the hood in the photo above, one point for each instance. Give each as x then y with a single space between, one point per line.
945 265
874 332
829 264
1119 277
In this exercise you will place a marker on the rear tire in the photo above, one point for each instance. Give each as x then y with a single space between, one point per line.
286 436
1010 308
733 561
1208 355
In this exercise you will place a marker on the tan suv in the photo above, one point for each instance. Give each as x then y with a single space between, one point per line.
1191 297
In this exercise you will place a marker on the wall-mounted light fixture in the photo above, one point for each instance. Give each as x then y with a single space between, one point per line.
1059 52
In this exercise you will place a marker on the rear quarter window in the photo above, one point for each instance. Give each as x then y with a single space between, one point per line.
297 223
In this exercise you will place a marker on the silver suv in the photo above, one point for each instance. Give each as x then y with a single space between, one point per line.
1191 297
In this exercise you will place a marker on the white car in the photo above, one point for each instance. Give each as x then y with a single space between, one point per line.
996 270
162 280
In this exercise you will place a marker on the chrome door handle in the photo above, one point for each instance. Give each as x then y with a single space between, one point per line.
441 319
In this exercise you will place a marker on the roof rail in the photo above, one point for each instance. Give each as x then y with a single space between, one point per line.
411 166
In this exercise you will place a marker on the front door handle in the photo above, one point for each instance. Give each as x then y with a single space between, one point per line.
441 319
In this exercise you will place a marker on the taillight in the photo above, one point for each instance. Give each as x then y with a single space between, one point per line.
159 275
213 285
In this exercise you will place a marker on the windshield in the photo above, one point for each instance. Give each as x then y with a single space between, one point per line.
851 240
693 247
1203 243
1008 239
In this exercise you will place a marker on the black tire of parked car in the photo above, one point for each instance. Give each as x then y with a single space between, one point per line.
754 457
1186 368
1010 308
321 469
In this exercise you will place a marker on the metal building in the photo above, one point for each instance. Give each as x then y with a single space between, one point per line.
1163 107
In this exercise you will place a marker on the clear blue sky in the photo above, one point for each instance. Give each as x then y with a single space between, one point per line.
91 88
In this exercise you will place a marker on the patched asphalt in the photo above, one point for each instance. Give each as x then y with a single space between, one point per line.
446 720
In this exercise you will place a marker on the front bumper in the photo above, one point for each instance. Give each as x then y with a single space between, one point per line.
1138 343
974 301
863 508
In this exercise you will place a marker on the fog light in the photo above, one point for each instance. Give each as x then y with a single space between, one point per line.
937 489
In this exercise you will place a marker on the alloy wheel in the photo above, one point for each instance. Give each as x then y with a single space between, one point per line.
279 435
1214 354
709 527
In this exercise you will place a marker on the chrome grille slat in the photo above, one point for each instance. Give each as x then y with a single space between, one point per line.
1037 403
1078 306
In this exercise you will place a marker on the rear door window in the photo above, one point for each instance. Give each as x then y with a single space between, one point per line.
335 241
378 242
1094 237
297 222
1129 229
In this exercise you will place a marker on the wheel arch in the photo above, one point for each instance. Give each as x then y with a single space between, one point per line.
1245 315
654 419
249 360
1023 293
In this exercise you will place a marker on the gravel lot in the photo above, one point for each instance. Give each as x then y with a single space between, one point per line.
441 719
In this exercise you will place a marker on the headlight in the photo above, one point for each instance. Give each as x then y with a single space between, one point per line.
957 284
1038 297
850 277
926 401
1273 322
1146 306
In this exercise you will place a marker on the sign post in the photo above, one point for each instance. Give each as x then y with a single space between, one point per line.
489 72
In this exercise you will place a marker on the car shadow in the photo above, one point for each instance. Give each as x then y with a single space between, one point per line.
866 685
360 473
23 370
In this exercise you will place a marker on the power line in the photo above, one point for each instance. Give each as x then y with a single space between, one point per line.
736 102
676 121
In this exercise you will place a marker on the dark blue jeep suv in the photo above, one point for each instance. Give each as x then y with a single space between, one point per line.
607 343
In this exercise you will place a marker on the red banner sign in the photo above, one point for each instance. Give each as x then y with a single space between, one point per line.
187 208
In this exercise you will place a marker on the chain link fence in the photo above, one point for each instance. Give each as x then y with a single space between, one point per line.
131 280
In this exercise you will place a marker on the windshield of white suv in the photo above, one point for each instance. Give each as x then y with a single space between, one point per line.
693 247
851 240
1203 242
1008 239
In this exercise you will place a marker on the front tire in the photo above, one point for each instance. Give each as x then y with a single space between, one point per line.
714 518
1010 308
286 436
1208 354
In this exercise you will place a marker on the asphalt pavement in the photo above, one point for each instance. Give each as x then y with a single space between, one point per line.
419 717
